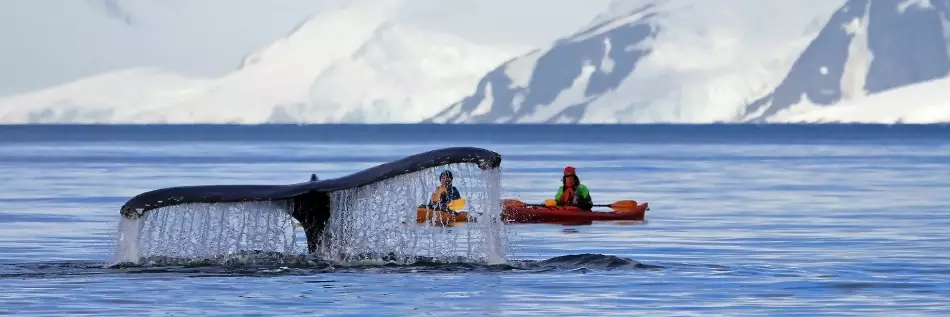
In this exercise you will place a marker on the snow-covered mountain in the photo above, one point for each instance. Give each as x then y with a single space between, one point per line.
867 47
399 74
53 42
275 84
718 61
352 61
640 61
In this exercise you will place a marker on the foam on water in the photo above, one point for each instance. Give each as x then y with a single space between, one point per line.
373 223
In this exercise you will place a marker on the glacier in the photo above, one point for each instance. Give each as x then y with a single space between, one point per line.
638 61
921 103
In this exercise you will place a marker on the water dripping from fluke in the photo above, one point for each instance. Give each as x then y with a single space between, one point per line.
359 218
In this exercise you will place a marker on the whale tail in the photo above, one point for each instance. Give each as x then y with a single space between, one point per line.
313 203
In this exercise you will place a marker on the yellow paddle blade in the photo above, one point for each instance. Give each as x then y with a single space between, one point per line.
624 205
457 204
550 203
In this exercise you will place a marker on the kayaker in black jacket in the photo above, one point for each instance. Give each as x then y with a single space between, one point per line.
445 193
572 192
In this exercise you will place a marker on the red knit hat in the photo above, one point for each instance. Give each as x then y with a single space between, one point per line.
569 170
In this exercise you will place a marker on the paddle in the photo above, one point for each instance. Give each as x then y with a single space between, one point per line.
454 206
618 206
457 204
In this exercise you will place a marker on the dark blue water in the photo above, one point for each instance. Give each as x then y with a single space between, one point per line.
479 133
782 220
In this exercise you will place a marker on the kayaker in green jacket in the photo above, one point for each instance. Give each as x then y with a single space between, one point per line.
572 192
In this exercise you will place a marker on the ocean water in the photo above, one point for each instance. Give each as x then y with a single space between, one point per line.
841 220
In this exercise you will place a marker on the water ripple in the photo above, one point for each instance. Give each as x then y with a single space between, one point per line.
776 224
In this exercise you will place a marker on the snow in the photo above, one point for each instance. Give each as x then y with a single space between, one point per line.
372 71
453 110
519 71
607 64
83 102
484 106
805 105
619 8
711 58
614 22
282 75
922 103
366 61
516 101
49 42
859 58
921 4
287 68
376 61
569 97
527 23
412 72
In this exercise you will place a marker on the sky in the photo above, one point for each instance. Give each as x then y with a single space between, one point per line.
53 42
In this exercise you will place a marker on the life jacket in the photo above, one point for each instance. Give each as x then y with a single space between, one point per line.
569 196
443 196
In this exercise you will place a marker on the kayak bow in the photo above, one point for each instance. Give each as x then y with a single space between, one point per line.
442 217
445 217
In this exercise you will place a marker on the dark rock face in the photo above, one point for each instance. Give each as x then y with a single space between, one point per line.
902 45
556 71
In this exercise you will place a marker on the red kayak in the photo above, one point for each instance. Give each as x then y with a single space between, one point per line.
515 211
